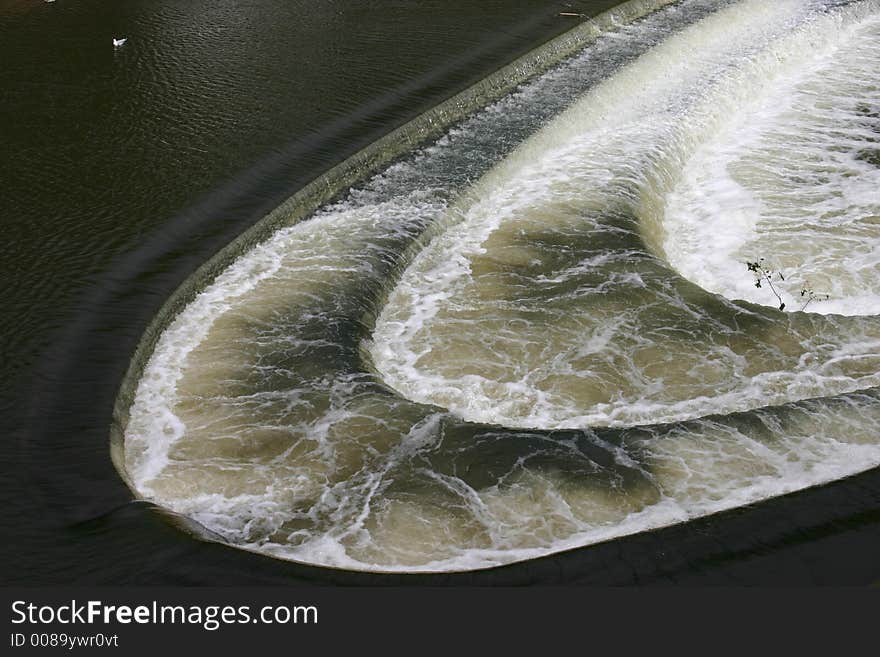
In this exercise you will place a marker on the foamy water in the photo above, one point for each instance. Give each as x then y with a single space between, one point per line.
568 345
794 181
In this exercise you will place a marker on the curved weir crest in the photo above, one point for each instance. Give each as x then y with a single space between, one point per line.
465 362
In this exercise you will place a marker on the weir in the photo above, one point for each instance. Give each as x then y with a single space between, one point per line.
482 355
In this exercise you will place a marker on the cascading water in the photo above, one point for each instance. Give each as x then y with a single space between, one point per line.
467 361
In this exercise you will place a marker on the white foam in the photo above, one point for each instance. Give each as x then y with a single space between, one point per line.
511 313
640 126
781 182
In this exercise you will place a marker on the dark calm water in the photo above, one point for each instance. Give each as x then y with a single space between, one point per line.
121 171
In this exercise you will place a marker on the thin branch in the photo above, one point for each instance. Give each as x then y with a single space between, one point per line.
763 275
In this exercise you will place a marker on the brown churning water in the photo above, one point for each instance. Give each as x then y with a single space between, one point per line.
539 331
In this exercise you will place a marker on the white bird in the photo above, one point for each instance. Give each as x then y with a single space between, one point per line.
118 42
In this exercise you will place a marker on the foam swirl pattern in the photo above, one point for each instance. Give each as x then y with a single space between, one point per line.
539 332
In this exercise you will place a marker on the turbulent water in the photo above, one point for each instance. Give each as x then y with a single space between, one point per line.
540 331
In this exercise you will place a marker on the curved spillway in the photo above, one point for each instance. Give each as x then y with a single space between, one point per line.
530 335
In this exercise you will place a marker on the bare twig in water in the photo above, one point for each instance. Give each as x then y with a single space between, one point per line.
811 296
764 276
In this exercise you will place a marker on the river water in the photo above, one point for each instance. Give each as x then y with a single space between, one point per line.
534 334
